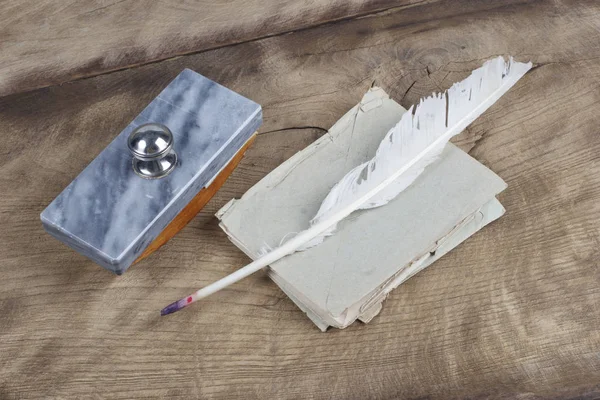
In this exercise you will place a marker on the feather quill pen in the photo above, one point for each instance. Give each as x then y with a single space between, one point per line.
415 142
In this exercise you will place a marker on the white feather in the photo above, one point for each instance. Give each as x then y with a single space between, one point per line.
418 140
415 142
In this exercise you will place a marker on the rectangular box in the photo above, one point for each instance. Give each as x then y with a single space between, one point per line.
110 214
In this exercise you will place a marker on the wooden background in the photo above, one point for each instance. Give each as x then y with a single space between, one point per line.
511 313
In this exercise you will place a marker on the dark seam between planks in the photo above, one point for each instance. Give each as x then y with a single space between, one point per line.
372 13
233 43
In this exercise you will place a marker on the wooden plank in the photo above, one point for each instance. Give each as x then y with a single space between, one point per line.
511 313
48 42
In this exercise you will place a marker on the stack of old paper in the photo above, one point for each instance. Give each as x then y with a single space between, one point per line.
348 276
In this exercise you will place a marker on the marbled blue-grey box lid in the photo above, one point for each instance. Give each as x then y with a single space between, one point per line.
110 214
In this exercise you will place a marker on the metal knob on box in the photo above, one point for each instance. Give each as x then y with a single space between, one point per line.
152 148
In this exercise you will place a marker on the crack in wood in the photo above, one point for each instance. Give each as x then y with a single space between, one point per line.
406 92
317 128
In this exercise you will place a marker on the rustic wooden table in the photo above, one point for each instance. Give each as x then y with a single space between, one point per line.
511 313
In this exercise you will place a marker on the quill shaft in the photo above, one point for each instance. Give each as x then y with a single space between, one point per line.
303 237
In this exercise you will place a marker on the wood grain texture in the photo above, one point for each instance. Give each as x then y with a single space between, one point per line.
46 42
198 202
511 313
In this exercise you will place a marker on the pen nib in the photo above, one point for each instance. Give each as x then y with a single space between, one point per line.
171 308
